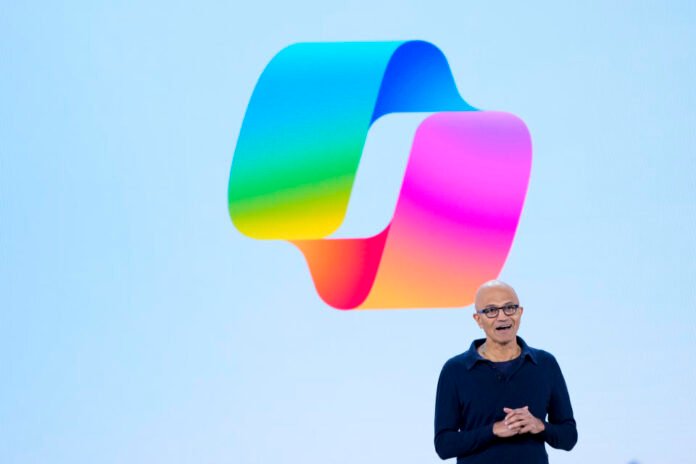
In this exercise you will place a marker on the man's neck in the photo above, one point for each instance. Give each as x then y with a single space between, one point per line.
498 352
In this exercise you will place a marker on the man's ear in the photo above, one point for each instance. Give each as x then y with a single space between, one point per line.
476 318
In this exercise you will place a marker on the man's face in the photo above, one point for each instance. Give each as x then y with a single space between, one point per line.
502 328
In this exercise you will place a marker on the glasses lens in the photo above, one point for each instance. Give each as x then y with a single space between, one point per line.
509 310
492 312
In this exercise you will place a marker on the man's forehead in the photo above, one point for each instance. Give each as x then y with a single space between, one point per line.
495 292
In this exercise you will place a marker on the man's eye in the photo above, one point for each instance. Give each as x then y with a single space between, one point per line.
488 310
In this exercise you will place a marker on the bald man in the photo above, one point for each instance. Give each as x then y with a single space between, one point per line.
501 400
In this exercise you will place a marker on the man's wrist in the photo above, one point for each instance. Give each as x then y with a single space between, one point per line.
541 425
493 428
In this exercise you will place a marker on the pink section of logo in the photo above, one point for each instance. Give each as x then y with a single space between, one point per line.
453 225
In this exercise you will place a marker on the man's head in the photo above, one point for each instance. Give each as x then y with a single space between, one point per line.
503 327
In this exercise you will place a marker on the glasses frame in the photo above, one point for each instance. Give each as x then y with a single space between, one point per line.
492 313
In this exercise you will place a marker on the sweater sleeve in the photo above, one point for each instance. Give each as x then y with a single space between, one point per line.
451 442
560 430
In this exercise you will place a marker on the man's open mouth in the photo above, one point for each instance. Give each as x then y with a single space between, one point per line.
504 327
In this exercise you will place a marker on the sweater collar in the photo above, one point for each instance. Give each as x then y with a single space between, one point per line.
471 356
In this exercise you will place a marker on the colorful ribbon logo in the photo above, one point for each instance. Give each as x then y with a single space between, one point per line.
299 149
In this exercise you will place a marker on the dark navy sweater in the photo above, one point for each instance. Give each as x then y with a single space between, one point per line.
471 395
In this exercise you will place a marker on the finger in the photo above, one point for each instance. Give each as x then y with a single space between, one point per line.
511 416
532 427
524 420
517 413
517 422
525 429
513 428
535 425
522 412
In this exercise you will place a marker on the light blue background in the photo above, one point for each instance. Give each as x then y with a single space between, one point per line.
137 326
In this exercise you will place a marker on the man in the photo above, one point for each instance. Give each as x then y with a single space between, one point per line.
493 400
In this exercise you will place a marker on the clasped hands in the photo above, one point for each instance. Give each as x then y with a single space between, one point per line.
517 421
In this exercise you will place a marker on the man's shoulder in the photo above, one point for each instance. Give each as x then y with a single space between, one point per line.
466 357
457 362
542 357
458 359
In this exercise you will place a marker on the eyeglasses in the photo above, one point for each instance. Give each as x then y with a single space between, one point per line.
492 312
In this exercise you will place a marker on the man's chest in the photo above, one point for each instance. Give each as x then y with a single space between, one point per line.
484 391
